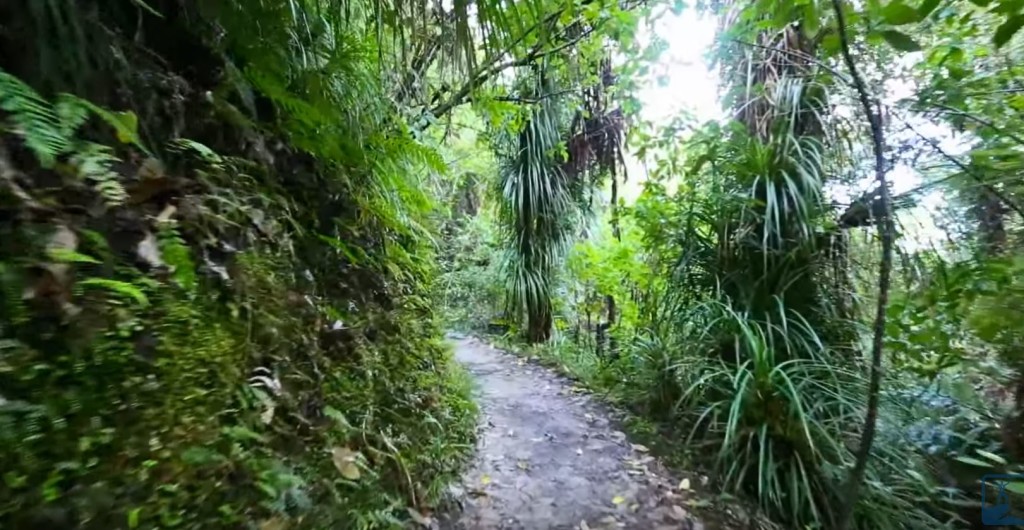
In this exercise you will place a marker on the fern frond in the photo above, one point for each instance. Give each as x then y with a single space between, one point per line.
45 130
124 289
206 154
94 162
124 123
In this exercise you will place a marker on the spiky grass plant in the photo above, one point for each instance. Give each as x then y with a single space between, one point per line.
537 212
781 425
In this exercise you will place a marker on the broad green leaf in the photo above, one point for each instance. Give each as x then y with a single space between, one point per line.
973 461
900 41
897 13
830 43
927 7
991 456
1015 487
66 255
1007 29
116 286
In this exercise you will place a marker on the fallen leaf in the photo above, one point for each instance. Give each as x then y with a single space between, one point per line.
523 464
166 213
678 513
148 251
684 484
485 480
589 417
618 499
418 517
641 448
268 415
345 460
274 523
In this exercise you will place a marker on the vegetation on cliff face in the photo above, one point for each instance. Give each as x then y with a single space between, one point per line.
231 233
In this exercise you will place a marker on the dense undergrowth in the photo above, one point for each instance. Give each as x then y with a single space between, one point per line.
733 305
216 273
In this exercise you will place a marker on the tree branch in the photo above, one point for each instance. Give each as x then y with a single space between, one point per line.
946 109
537 99
799 55
481 78
886 232
966 169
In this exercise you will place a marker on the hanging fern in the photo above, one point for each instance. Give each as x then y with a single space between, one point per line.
46 130
49 131
94 162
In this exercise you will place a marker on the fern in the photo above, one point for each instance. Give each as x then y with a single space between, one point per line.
49 131
46 130
207 155
176 254
93 162
124 123
118 287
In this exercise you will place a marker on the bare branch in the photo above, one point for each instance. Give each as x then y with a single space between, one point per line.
966 169
886 231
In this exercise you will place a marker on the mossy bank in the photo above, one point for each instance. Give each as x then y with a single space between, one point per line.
216 267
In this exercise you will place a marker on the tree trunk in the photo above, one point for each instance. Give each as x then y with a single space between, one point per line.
539 324
990 211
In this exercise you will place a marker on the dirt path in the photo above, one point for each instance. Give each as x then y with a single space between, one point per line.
550 457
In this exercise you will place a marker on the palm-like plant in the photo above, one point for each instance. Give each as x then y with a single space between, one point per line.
759 379
537 210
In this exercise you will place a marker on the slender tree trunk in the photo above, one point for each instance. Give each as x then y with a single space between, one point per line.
539 324
885 233
606 339
991 226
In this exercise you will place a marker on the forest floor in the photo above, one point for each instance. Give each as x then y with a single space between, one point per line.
550 457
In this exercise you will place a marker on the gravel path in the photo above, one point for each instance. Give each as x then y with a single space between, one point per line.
550 457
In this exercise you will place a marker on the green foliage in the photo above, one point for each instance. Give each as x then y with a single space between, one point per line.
47 129
536 209
252 300
470 284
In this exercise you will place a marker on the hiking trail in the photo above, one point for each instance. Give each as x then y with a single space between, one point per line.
551 457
